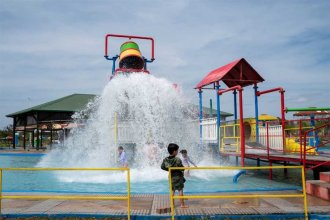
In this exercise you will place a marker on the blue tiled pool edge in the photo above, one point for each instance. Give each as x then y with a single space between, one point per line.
148 217
23 154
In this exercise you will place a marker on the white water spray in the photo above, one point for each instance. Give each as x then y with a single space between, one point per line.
150 113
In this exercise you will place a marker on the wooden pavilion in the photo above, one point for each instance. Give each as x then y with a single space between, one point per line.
47 118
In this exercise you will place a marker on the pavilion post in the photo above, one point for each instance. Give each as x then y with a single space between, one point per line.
38 132
32 141
41 133
14 130
24 135
51 135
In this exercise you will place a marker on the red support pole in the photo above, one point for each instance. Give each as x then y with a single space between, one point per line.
259 93
241 122
230 89
267 144
304 161
283 116
281 90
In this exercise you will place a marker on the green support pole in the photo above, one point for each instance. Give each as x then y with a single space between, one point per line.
211 108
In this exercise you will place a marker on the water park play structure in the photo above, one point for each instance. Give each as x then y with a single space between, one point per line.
144 113
268 138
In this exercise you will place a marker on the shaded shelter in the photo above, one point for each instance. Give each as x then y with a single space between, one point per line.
48 117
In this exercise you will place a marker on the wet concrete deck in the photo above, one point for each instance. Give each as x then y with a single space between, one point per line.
156 204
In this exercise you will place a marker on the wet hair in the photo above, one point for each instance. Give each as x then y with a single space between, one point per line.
172 147
183 151
120 148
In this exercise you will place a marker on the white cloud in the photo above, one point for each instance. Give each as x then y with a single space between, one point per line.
57 46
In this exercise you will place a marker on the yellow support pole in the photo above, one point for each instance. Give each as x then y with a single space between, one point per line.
221 147
171 193
116 129
128 194
304 191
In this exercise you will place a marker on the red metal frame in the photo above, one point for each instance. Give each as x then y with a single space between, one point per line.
241 122
267 144
305 141
281 90
130 37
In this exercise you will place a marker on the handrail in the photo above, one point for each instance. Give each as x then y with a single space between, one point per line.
71 197
302 195
305 139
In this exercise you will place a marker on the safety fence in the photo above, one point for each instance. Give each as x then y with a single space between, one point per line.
229 137
68 197
236 196
209 130
270 137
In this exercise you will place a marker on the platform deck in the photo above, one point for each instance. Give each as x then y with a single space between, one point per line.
275 156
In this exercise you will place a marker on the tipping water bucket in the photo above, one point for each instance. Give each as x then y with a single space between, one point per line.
130 56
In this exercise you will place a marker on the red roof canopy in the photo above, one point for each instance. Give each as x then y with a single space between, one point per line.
238 72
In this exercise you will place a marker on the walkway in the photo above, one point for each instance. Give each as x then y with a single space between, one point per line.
158 205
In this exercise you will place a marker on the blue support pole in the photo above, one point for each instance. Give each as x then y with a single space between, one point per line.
235 105
256 111
113 62
313 141
147 61
217 87
200 116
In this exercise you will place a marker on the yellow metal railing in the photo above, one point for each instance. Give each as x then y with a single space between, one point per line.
71 197
301 195
234 136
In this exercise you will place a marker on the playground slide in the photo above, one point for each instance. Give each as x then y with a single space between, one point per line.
293 146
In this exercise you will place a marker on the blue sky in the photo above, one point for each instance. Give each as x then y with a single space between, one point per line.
50 49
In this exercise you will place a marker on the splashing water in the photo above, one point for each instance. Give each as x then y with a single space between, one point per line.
149 113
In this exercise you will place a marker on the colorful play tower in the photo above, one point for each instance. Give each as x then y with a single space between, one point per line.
271 137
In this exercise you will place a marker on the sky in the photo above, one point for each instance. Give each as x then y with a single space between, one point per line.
50 49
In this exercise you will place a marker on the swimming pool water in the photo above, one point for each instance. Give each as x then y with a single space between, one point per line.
106 182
